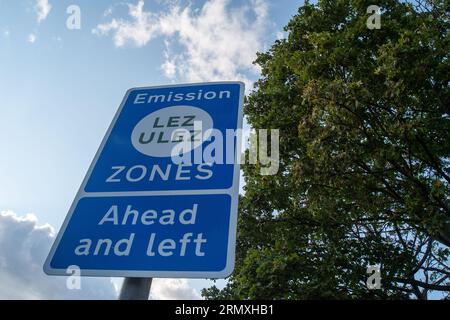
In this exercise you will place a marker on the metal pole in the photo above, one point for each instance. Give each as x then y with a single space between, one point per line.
135 289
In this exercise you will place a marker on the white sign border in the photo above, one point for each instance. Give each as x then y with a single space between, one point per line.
233 191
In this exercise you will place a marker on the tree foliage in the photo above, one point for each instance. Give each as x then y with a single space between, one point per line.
364 173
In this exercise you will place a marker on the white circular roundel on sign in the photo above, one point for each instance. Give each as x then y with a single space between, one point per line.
165 130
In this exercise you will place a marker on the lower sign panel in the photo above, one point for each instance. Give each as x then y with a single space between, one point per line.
147 236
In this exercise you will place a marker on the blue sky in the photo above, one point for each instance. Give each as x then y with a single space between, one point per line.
59 88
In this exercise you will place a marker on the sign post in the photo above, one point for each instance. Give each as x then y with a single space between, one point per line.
160 197
135 289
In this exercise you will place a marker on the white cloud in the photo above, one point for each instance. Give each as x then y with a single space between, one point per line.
42 8
281 35
24 246
169 67
217 41
139 31
31 38
173 289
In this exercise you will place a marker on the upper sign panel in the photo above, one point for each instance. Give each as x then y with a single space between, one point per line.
156 125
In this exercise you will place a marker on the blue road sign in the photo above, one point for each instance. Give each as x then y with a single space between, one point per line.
160 197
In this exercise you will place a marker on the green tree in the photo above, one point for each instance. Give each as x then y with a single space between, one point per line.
364 157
